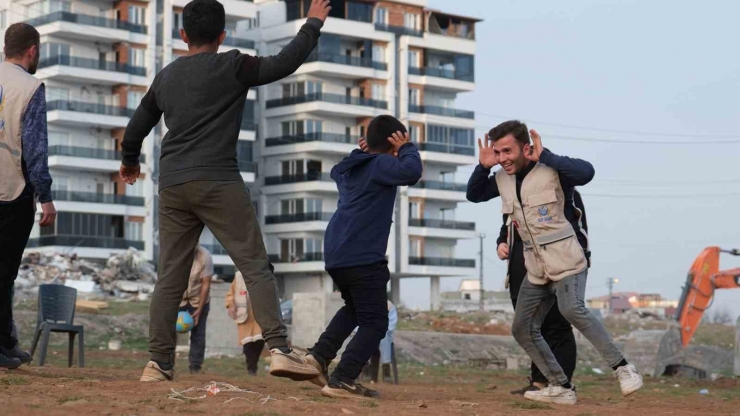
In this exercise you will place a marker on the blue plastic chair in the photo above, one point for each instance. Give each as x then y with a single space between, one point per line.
56 313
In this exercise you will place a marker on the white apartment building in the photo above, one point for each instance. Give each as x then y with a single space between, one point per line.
374 57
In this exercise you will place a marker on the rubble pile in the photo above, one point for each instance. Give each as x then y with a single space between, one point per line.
125 275
487 323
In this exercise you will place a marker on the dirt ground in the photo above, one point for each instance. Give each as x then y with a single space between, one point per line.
109 386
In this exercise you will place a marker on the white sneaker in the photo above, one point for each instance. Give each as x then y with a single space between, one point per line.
552 394
629 379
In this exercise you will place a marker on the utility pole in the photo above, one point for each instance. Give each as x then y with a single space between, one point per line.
610 283
482 292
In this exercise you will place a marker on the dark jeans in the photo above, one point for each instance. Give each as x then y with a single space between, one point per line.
16 221
363 289
198 336
253 350
226 209
558 334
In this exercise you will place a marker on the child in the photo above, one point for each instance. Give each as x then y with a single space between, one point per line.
355 244
250 333
202 97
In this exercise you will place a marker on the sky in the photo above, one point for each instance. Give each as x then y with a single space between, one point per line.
654 89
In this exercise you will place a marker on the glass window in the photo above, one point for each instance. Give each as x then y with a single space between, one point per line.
136 57
3 17
58 139
414 59
411 20
361 12
379 53
133 231
56 93
137 15
381 16
378 92
133 99
314 126
137 189
314 204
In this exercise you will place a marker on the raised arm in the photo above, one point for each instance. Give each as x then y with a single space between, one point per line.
145 117
404 170
481 185
577 172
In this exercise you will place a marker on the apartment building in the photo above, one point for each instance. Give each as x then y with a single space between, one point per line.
393 57
97 60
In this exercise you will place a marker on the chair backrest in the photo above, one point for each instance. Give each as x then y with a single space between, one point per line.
57 304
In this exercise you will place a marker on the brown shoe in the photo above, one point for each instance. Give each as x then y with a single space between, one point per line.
323 377
291 366
152 372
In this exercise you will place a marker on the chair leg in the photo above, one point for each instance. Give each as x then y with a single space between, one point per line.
394 364
374 366
81 348
44 346
71 348
35 341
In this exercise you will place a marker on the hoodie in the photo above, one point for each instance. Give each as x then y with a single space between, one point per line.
357 234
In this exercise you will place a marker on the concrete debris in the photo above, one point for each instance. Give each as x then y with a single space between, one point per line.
127 275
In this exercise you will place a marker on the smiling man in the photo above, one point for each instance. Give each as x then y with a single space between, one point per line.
536 189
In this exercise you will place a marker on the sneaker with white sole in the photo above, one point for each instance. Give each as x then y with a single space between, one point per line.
323 377
152 372
629 378
340 390
552 394
292 366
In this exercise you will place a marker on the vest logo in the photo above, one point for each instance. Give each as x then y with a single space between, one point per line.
543 211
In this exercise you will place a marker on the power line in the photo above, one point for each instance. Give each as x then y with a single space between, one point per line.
657 196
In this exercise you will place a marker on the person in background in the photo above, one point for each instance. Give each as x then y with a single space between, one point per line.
384 355
24 170
249 332
196 301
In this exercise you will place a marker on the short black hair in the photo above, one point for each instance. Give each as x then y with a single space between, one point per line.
203 21
18 38
380 129
515 127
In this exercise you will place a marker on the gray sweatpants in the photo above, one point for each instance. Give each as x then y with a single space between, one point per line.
532 306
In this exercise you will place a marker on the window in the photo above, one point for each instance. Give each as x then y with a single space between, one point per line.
414 59
293 167
3 17
137 189
314 87
379 53
60 182
450 135
447 214
58 139
314 126
291 250
414 210
361 12
291 206
314 204
414 248
176 21
291 128
381 16
314 245
411 21
136 57
414 133
378 92
56 93
133 231
52 50
133 99
414 96
137 15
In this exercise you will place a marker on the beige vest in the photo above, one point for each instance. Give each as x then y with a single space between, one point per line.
202 268
551 248
16 90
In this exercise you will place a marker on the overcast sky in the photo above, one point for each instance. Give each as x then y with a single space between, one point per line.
608 70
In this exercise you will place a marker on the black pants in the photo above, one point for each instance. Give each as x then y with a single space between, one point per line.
16 221
558 333
198 336
253 350
363 289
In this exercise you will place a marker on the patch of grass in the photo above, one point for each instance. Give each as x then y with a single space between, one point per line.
123 308
323 399
13 381
586 414
261 413
69 399
369 403
530 405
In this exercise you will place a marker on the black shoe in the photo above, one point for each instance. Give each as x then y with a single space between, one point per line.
194 370
9 362
251 373
16 352
339 389
529 387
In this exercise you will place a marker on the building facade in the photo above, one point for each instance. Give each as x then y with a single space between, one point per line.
392 57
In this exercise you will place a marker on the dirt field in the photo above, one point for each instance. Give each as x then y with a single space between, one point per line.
108 386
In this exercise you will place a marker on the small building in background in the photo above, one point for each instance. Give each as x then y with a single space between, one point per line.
651 303
467 299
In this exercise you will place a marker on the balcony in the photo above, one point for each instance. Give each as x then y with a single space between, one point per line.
230 42
440 191
442 186
215 249
305 177
92 108
441 111
441 262
88 159
441 73
446 148
347 60
329 98
310 137
248 125
433 223
247 166
98 198
306 182
85 241
81 114
399 30
302 217
88 153
86 20
299 258
90 71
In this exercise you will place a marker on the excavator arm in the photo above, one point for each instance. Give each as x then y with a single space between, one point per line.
703 278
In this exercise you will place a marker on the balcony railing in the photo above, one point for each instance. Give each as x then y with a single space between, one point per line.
347 60
441 73
88 152
228 40
248 125
442 186
305 177
87 63
99 198
85 241
87 20
93 108
247 166
441 262
330 98
441 111
446 148
215 249
303 217
399 30
310 137
299 258
433 223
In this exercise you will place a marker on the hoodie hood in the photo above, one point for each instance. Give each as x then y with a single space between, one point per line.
356 158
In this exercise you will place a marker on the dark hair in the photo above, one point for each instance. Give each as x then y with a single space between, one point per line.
19 37
380 129
514 127
203 21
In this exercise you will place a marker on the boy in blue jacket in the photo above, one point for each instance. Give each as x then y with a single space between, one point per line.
355 245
